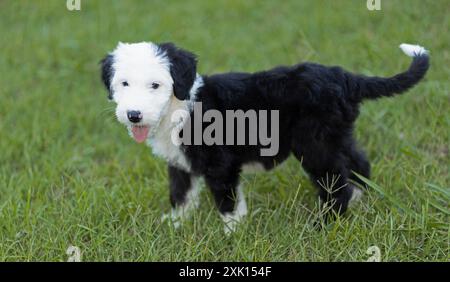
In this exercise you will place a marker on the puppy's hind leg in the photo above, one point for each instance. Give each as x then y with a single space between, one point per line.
328 169
359 164
184 195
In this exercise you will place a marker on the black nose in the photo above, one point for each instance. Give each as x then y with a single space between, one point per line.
134 116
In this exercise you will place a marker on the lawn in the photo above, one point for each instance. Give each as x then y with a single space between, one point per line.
71 176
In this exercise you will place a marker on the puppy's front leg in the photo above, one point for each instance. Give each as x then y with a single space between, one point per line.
184 195
229 199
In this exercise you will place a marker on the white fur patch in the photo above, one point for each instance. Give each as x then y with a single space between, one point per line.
161 142
413 50
231 220
198 82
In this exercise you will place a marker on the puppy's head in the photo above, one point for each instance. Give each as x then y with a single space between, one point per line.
142 78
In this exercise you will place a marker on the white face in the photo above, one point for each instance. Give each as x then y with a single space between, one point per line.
141 86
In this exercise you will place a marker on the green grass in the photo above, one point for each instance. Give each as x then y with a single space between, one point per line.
70 175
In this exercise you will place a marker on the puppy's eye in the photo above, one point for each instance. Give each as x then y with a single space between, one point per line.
125 83
155 85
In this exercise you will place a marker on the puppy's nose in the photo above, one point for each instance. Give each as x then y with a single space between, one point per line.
134 116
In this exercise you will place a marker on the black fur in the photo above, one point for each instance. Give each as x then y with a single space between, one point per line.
318 106
180 182
183 69
107 73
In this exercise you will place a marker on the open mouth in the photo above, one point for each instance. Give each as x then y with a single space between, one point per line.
140 132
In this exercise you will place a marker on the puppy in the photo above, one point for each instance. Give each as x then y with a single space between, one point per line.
312 111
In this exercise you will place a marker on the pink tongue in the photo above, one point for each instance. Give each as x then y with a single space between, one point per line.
140 133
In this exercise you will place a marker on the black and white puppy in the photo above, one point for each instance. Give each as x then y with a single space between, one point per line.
316 105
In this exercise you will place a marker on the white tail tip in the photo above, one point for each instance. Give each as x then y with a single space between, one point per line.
413 50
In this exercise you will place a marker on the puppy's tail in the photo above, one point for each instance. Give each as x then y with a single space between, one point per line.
376 87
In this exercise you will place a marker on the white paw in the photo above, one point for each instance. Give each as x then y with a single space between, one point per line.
356 195
182 212
231 220
172 218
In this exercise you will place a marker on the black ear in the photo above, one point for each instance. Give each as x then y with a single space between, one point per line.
183 69
107 73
